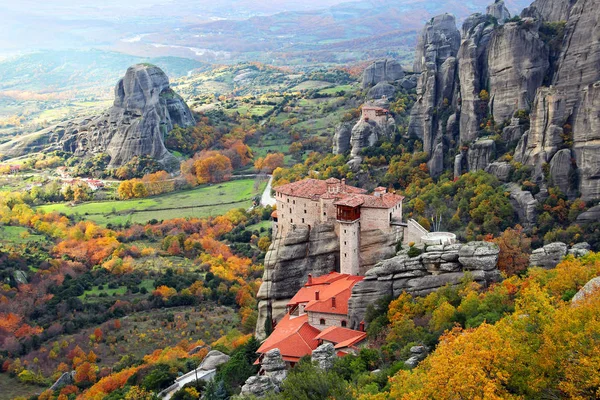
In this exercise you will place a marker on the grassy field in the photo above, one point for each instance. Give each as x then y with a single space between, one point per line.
203 201
339 88
11 388
18 234
308 85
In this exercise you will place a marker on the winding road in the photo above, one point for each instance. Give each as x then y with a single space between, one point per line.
266 198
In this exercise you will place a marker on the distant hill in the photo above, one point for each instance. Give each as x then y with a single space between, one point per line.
58 71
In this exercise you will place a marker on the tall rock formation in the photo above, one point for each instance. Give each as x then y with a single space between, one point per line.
477 31
144 110
549 10
498 10
436 62
518 61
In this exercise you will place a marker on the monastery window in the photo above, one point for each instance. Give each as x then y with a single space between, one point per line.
302 220
322 321
304 211
344 323
290 210
345 255
344 231
344 243
291 221
288 200
294 201
324 213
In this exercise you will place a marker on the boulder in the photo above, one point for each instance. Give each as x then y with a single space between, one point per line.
324 356
513 132
580 249
479 256
213 359
591 287
548 256
589 216
501 170
274 367
409 82
258 386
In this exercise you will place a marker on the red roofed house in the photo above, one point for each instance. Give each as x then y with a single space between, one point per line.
312 201
376 114
317 314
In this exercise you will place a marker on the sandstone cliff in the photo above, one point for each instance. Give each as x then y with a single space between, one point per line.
144 110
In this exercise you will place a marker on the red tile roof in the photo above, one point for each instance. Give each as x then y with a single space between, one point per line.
294 338
329 286
312 188
350 201
343 337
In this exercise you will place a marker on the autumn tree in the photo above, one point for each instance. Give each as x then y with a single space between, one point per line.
213 169
515 247
271 162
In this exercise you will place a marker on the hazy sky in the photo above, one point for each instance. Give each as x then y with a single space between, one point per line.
64 24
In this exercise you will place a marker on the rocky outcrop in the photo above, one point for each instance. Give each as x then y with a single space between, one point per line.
436 64
273 373
580 249
501 170
590 216
144 110
480 154
342 137
548 256
324 356
438 266
591 287
382 71
258 386
524 203
498 10
274 367
67 378
213 359
417 354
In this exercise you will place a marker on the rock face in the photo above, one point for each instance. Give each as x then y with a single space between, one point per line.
324 356
549 10
437 266
591 287
518 61
501 170
213 359
548 256
382 71
436 64
381 90
258 386
480 154
528 66
288 263
144 110
580 249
